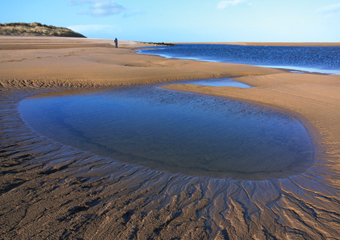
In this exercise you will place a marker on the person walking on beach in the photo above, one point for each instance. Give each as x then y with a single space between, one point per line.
116 42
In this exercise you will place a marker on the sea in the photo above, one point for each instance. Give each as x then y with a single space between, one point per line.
324 60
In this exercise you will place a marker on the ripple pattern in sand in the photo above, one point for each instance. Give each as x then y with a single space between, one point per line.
53 191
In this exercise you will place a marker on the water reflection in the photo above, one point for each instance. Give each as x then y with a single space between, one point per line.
221 82
175 131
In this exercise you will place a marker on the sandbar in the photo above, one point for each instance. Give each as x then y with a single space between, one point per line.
52 191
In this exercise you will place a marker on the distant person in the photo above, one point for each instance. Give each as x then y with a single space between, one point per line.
116 42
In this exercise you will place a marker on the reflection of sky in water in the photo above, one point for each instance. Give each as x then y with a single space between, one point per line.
175 131
310 59
308 69
222 82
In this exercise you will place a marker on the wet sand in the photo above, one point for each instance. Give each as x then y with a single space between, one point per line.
281 44
52 191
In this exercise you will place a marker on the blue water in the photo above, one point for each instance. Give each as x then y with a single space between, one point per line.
175 131
219 82
311 59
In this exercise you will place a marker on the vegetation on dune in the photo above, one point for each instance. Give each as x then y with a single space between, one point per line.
36 29
161 43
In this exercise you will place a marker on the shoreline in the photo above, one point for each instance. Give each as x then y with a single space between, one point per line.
276 44
287 67
51 190
197 169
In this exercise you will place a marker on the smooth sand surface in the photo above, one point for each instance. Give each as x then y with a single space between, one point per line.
52 191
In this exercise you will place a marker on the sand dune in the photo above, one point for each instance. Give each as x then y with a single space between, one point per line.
51 191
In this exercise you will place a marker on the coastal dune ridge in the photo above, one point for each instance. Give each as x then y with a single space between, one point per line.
50 190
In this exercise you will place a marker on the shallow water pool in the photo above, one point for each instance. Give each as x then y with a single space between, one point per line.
174 131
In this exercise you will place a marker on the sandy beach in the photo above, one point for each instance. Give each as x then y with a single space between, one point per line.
53 191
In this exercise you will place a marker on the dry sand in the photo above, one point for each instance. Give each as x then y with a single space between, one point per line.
52 191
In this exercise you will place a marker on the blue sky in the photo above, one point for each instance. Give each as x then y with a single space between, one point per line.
185 20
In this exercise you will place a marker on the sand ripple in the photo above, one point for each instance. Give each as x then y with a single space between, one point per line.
53 191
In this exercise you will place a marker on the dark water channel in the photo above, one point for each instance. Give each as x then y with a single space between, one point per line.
175 131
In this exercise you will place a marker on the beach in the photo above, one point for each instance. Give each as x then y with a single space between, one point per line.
52 191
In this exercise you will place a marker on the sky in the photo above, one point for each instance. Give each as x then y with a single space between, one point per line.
185 20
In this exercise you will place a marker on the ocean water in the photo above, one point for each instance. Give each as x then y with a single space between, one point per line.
174 131
310 59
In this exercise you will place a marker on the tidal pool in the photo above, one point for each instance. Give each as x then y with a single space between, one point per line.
173 131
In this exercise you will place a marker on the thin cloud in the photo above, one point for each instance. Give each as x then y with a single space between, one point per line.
98 8
225 4
106 8
334 8
78 2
